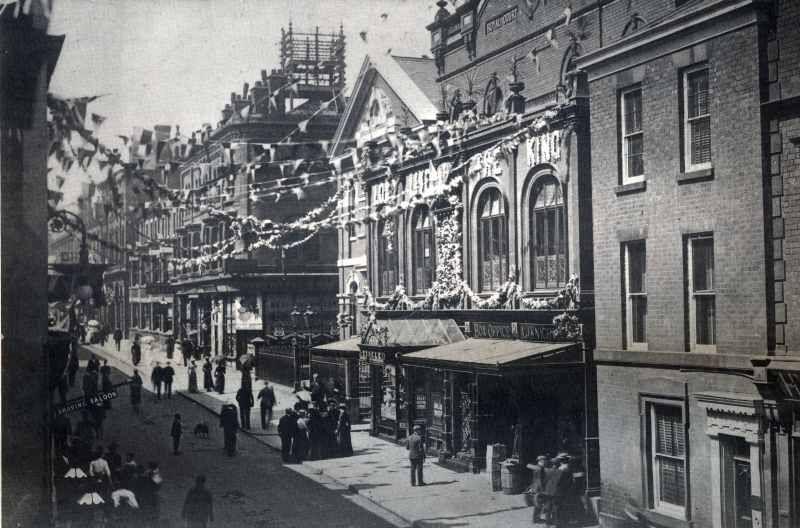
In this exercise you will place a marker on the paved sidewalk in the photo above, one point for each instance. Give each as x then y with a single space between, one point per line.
378 469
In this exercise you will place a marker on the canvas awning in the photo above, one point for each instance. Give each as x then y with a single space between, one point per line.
495 356
412 333
344 348
209 288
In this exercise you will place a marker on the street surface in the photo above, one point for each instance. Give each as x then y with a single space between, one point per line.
251 489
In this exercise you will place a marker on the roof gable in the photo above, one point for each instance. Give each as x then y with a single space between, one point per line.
386 94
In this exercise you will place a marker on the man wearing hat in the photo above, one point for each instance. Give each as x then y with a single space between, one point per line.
287 428
557 486
416 455
540 499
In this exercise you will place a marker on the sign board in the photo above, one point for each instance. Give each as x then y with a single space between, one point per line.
544 148
499 22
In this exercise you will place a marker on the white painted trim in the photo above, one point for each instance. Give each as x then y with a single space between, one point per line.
354 261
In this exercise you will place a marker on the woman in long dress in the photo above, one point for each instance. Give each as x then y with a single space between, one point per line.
345 446
220 374
193 377
208 378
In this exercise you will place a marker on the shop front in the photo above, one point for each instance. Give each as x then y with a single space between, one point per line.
381 347
528 396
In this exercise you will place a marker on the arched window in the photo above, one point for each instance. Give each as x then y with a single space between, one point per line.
548 235
492 240
424 250
387 256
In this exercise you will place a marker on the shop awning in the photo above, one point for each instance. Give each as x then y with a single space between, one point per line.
344 348
412 333
496 355
210 288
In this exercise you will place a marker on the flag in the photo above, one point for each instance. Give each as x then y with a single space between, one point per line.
303 125
551 38
567 15
272 102
337 165
300 193
245 113
297 163
294 87
354 154
533 55
97 121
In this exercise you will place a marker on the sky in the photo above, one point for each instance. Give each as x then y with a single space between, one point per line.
175 62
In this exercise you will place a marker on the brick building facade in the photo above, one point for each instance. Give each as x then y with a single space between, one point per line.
691 109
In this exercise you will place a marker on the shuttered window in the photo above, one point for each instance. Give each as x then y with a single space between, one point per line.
697 124
424 251
668 458
493 240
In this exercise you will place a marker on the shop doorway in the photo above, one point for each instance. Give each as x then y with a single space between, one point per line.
737 510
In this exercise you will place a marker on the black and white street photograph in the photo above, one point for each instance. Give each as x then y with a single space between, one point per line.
400 263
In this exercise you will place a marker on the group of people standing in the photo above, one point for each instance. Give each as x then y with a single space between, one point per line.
312 433
556 489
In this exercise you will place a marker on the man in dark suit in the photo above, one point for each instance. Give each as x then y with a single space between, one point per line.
416 455
287 427
168 374
540 499
557 486
245 400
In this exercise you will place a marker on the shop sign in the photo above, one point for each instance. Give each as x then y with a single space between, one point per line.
488 164
544 148
419 181
373 356
437 406
498 22
384 191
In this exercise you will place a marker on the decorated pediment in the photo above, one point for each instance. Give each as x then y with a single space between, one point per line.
377 116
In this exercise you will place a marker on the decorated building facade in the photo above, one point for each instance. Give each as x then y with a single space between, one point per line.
249 260
480 225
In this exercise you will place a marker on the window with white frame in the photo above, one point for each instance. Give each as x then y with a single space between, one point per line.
702 296
423 250
635 255
666 470
632 135
696 119
492 240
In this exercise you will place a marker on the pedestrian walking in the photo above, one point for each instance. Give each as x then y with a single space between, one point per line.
170 345
287 429
187 350
136 351
541 501
105 370
244 397
107 387
343 438
72 368
300 440
193 377
176 432
198 508
416 455
219 373
89 385
136 391
118 338
208 378
98 417
266 399
93 365
557 485
316 433
149 485
99 470
156 378
229 423
168 375
129 470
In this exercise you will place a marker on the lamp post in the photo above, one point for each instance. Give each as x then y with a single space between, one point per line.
295 313
58 222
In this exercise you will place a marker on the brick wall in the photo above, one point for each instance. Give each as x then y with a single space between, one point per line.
730 205
619 391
